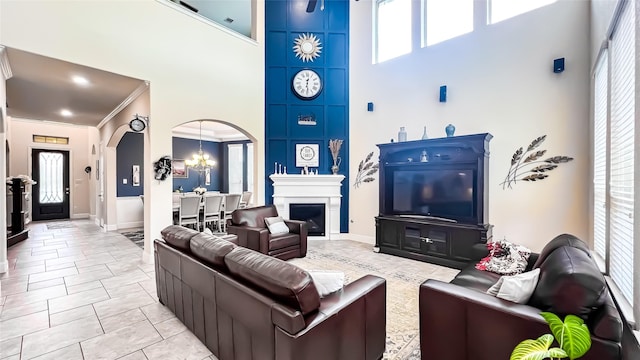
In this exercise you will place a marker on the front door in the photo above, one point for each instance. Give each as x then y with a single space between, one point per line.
50 169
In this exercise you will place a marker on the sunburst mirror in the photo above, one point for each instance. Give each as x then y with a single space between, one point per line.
307 47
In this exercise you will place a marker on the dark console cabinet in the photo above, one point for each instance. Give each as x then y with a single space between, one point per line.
447 244
434 199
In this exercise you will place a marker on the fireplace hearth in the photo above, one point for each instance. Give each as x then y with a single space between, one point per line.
313 214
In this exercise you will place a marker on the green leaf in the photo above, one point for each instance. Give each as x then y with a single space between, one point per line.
533 349
572 334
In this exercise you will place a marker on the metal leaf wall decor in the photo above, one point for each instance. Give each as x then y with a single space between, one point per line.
530 165
366 170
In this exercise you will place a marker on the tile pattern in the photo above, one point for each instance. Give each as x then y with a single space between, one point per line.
74 291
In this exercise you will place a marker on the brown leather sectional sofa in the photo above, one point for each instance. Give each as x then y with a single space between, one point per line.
459 321
245 305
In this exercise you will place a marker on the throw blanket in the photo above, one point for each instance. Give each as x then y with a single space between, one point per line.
505 258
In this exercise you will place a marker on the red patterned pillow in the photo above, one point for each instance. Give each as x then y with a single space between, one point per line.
505 258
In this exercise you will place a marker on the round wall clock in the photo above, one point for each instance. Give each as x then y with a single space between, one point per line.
306 84
137 124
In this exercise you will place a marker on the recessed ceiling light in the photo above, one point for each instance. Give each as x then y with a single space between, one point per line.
66 113
80 80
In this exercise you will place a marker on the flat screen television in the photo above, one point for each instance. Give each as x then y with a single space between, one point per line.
448 194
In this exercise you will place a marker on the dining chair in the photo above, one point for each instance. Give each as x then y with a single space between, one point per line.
231 203
189 211
246 198
212 208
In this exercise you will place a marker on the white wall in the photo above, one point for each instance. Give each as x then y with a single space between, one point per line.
22 131
500 81
130 212
196 70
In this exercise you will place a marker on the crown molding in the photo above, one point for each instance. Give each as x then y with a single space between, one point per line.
4 63
134 95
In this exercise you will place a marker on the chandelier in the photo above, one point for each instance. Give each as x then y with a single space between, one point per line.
200 161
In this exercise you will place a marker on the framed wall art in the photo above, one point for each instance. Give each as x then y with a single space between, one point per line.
179 169
307 155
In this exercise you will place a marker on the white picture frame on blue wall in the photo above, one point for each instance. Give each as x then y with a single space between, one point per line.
135 175
207 176
307 155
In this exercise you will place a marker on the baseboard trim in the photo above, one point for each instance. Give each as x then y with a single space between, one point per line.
113 227
130 225
80 216
371 240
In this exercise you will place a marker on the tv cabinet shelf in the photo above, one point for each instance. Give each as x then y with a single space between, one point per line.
439 242
434 210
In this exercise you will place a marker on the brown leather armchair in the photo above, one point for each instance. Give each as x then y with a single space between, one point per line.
248 224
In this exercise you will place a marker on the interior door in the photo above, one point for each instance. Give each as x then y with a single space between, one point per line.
50 169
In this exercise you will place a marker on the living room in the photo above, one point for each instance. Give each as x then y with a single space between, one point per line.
499 79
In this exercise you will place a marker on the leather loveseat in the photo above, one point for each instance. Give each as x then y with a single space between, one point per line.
486 327
249 225
245 305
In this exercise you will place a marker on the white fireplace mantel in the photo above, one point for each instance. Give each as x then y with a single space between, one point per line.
310 189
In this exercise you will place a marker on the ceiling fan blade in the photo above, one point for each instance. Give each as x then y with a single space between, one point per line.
311 7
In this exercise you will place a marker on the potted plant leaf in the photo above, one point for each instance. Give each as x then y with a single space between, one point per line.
571 334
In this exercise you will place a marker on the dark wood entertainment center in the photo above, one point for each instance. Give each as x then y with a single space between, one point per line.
434 199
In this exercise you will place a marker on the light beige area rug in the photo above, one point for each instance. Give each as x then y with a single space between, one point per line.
403 277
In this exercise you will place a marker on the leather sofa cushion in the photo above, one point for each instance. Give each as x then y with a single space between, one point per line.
606 322
253 217
569 283
178 236
285 282
475 279
560 241
211 248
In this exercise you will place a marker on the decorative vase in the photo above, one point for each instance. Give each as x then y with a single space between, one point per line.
402 134
450 129
424 134
336 165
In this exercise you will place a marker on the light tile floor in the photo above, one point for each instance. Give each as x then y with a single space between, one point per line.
76 292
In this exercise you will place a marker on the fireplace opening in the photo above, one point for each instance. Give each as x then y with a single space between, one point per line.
313 214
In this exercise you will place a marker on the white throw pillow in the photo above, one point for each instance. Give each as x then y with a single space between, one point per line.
516 288
276 225
327 281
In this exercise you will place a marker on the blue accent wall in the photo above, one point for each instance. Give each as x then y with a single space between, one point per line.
184 149
284 21
129 152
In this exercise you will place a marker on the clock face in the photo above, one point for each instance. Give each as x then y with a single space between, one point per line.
137 125
306 84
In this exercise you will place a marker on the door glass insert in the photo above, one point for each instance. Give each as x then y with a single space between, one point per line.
51 184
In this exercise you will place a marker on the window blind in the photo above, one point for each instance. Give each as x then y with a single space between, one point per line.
600 155
622 152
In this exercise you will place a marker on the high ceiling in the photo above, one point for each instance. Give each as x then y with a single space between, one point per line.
41 87
233 14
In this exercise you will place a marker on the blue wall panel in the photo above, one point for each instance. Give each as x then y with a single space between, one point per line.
184 149
275 53
129 152
277 79
330 108
336 57
306 131
336 80
276 119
